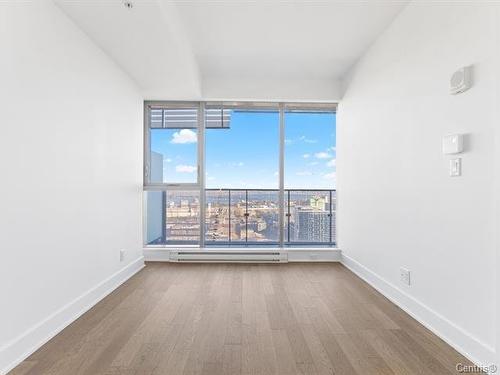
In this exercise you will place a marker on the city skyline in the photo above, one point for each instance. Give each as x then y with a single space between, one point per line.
241 216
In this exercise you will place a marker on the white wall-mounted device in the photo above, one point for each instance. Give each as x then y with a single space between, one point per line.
461 80
453 144
455 167
404 275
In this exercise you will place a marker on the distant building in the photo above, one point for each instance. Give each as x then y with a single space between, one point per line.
312 225
319 203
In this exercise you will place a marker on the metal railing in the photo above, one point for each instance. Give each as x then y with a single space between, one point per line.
251 217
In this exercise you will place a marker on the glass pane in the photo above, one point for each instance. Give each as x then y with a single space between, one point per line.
183 214
334 217
172 217
310 150
263 213
242 149
217 216
238 217
173 146
155 218
309 219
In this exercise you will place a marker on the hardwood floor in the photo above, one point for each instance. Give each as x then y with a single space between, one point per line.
244 319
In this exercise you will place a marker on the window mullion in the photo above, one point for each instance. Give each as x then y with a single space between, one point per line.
281 195
201 170
147 151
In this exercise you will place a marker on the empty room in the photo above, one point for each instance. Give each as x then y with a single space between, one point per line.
224 187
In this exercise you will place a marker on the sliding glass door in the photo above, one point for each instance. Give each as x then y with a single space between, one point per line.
241 163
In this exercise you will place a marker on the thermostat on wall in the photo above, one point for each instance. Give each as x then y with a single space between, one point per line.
453 144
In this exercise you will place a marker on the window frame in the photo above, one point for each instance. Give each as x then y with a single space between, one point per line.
160 186
199 185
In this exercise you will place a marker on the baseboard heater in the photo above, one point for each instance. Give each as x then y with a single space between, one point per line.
229 256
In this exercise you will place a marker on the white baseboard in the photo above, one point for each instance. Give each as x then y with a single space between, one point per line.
23 346
455 336
293 254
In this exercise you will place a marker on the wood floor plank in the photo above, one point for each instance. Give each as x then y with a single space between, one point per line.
231 360
362 356
269 319
284 357
340 362
320 357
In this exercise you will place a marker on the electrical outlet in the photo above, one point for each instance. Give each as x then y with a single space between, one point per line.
404 276
122 255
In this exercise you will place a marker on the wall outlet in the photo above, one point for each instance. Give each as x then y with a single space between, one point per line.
404 275
122 255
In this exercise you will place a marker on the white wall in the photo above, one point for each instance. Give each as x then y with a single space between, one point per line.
398 206
148 41
267 89
71 166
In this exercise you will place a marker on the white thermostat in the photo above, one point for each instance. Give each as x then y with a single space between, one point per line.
453 144
461 80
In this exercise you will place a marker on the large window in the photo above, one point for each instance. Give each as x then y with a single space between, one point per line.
239 174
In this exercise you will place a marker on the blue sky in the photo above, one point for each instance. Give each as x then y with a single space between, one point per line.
246 155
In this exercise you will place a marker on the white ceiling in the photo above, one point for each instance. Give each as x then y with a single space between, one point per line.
239 49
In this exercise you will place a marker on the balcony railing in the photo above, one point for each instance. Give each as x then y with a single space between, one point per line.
244 217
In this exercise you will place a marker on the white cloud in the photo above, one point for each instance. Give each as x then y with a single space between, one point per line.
331 163
322 155
168 160
237 164
276 173
185 168
330 176
307 140
302 138
184 136
306 156
304 173
313 163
